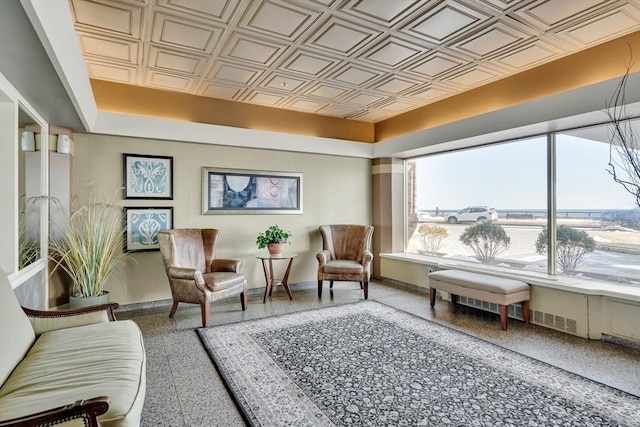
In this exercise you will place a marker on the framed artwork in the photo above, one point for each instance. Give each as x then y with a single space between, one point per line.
239 191
143 225
148 177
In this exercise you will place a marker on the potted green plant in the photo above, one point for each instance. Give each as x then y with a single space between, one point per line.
274 239
89 247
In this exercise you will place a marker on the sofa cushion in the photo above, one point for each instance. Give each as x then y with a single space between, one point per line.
105 359
16 333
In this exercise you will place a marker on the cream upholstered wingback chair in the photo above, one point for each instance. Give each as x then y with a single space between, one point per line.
346 255
195 275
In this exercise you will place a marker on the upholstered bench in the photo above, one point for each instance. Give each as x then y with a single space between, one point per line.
482 287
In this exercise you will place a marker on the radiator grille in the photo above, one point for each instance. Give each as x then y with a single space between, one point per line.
515 311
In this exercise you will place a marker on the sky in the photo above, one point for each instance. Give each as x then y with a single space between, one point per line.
513 176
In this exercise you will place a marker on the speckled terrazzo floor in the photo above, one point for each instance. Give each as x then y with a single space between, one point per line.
184 389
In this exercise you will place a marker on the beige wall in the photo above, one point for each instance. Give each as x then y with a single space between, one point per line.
335 190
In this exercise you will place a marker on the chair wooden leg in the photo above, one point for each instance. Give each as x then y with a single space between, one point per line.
366 289
244 299
330 284
503 316
319 288
432 297
174 307
361 285
205 314
525 311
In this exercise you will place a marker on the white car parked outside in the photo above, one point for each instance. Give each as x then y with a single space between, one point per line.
423 216
473 214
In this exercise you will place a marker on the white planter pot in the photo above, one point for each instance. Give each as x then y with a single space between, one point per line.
80 301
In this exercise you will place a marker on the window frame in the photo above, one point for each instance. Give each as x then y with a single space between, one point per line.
551 205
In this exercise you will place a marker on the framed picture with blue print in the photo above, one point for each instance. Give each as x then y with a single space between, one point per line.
148 177
239 191
143 225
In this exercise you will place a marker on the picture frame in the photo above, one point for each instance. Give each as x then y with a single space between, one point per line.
241 191
143 225
147 177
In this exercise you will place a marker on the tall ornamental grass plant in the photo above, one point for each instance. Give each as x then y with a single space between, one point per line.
89 247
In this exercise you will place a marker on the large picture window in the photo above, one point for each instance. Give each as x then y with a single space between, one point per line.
489 205
484 205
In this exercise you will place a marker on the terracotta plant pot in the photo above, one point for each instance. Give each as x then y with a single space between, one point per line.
275 249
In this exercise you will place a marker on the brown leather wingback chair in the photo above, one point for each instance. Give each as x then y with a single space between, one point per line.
346 255
195 275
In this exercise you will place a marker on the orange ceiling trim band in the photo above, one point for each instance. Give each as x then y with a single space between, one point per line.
126 99
590 66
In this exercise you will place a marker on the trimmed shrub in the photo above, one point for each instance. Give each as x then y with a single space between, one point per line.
486 239
571 246
431 237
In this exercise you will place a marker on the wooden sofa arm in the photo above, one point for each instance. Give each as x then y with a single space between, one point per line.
86 410
68 313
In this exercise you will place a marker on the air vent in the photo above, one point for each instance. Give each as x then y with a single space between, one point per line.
548 320
571 326
538 317
515 311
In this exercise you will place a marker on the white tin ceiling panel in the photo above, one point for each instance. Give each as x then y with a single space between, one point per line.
109 18
359 59
111 48
220 11
115 73
219 91
168 81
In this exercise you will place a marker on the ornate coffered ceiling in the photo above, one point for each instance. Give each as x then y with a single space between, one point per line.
366 60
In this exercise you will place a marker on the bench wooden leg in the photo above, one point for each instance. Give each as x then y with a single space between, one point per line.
432 297
503 316
525 311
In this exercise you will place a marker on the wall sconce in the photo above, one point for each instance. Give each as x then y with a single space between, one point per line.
28 142
64 144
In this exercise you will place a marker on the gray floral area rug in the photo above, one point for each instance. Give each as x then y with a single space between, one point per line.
368 364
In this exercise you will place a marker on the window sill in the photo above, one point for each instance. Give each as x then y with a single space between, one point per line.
569 284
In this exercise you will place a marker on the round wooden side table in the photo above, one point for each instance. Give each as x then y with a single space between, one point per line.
267 266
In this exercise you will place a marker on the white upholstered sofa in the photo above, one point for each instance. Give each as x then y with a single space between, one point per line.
68 369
